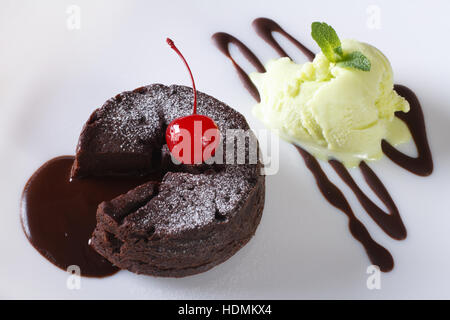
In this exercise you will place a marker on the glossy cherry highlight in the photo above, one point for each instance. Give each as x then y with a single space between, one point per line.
194 138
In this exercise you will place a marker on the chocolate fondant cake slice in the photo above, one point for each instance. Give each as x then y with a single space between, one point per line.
185 229
197 216
124 136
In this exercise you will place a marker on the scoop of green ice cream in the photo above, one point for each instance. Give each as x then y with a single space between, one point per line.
330 110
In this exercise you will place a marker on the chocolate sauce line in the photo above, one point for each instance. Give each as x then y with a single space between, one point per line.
391 223
422 165
265 28
378 255
222 41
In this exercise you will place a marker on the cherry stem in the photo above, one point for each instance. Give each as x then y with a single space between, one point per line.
172 45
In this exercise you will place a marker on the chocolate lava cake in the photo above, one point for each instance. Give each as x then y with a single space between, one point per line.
192 217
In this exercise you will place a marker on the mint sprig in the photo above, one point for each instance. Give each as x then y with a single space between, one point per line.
328 41
355 60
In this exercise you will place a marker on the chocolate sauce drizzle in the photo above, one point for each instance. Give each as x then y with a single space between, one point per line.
223 40
265 28
423 164
58 215
391 222
378 255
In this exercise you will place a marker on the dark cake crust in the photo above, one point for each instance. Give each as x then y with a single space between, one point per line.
195 217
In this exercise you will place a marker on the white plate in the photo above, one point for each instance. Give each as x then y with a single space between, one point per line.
53 77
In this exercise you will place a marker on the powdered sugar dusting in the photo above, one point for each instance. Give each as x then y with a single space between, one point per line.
185 201
188 201
133 119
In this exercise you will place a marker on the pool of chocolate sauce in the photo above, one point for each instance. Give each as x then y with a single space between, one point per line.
58 214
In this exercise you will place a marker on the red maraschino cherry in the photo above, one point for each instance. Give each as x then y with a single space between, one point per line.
194 138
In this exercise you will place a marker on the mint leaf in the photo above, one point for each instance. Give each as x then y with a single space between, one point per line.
355 60
328 41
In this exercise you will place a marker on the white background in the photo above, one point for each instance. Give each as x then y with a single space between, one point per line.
52 78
